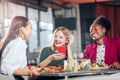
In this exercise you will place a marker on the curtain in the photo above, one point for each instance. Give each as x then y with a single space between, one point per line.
112 13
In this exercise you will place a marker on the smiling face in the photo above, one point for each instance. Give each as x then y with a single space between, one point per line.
59 39
97 32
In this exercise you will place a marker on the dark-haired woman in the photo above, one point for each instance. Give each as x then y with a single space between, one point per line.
13 50
103 50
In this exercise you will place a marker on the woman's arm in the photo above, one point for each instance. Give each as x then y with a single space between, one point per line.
51 58
69 50
44 58
45 62
14 60
27 71
47 57
89 49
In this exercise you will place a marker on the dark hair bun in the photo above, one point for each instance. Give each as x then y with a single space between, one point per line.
104 22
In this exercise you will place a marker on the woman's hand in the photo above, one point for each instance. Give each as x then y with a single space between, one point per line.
115 65
49 59
70 40
57 56
35 72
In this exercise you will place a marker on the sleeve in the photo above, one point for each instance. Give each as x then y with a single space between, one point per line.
43 55
118 48
87 52
10 58
115 49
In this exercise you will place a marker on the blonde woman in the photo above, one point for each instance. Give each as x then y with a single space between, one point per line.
49 55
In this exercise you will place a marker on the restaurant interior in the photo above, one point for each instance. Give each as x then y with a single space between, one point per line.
47 15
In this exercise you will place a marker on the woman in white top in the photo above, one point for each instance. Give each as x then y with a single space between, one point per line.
13 50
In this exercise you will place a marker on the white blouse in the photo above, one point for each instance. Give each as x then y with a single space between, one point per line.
14 56
100 54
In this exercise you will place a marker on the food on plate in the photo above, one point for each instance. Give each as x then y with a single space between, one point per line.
94 67
85 64
52 69
77 68
98 67
69 65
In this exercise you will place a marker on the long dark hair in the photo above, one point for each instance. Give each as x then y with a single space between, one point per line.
13 31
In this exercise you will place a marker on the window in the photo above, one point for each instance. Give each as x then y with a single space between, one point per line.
45 33
33 42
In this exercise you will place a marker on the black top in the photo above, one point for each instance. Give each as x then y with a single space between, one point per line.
47 51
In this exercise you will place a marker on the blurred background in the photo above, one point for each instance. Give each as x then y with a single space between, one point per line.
46 15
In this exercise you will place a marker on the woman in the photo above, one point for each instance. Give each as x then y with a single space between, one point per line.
13 58
104 50
49 55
